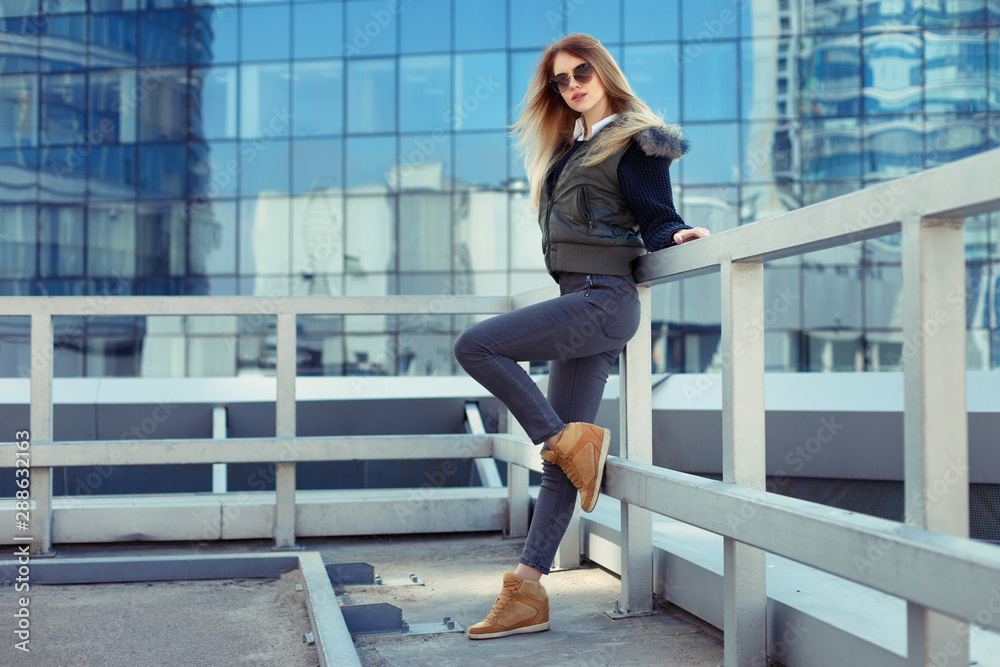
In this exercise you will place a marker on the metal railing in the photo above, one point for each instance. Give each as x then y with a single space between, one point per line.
928 560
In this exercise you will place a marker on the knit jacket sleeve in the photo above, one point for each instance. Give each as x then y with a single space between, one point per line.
645 182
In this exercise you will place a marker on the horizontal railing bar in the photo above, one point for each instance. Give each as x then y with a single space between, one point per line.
960 188
517 450
102 305
251 450
895 558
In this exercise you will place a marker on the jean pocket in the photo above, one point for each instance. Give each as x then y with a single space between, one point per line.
620 317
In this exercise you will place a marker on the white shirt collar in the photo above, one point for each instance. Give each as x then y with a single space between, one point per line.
578 128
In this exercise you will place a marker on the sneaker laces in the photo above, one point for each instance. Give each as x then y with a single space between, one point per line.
506 597
568 467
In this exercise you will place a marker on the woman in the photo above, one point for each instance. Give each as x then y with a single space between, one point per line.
597 159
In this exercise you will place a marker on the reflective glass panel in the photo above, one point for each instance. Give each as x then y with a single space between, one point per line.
891 73
654 76
163 107
601 20
480 25
63 119
425 231
481 232
831 149
20 166
370 28
710 19
714 207
111 240
481 160
13 8
424 162
950 137
319 30
714 155
767 200
769 151
265 32
782 298
110 120
525 236
538 22
264 236
710 82
264 100
163 37
425 26
318 240
881 14
424 90
993 56
832 297
830 76
318 166
371 95
61 241
19 110
829 16
55 31
953 13
702 303
370 162
212 248
214 103
893 146
214 170
113 172
480 92
954 71
371 284
371 235
161 241
162 170
61 171
264 168
18 241
214 35
883 297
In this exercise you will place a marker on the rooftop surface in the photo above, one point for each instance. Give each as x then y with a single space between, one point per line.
262 621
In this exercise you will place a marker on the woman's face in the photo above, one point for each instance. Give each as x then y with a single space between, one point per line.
581 97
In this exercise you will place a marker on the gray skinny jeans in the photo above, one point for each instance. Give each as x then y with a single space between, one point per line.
582 332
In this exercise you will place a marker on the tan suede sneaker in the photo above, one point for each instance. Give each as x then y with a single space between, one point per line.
523 606
581 453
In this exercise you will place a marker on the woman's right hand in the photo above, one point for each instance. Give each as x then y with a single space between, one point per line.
690 234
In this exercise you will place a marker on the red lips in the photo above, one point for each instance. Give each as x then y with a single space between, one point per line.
578 97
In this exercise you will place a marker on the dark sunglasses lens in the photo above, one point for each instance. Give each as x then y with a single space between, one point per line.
584 73
560 83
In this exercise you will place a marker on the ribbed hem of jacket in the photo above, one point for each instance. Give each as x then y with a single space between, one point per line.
600 260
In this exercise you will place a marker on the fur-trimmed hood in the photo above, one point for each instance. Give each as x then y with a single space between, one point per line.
667 141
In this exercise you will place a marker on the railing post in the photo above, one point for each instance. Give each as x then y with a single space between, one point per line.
568 553
745 596
935 421
635 437
40 519
518 500
284 486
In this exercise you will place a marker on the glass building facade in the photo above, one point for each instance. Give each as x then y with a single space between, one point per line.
359 147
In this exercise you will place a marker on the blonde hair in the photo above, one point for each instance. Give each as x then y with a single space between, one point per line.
546 121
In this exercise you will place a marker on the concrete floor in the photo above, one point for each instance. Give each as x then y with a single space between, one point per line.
261 621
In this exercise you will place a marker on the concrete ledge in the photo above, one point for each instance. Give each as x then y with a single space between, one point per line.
333 641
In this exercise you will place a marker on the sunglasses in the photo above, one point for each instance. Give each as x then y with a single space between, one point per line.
583 73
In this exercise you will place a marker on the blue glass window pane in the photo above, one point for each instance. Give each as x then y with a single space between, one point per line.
163 107
63 108
370 161
214 170
112 33
769 152
318 165
22 50
710 83
480 25
214 103
766 75
371 238
162 170
713 157
264 168
892 73
766 200
425 161
265 32
19 7
480 92
893 147
538 22
601 20
831 149
63 6
214 36
110 120
212 244
370 28
62 172
654 76
111 240
371 95
994 66
955 13
713 207
954 71
264 239
60 241
318 97
319 30
18 110
163 37
19 166
710 19
72 27
651 20
264 100
425 232
823 16
481 243
160 239
18 242
993 12
112 172
876 14
522 72
831 298
481 160
424 93
830 76
426 26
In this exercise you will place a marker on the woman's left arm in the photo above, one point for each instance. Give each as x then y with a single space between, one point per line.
645 182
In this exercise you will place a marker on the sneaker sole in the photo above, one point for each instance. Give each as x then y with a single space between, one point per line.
519 631
600 472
